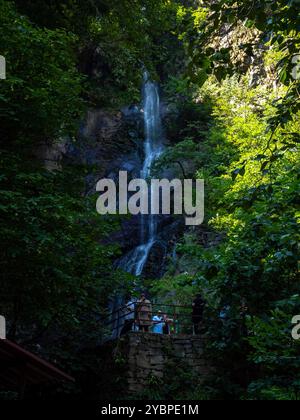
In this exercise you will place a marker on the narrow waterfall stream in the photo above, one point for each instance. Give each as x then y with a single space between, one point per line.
135 261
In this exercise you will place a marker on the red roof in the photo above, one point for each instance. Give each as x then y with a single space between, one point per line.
17 364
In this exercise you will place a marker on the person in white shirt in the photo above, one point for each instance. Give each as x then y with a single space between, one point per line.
158 323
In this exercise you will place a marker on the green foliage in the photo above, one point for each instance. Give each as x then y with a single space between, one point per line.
42 81
248 30
275 353
258 212
55 272
73 15
132 36
186 128
115 41
252 202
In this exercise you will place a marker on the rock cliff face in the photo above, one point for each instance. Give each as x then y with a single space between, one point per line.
109 142
115 142
103 142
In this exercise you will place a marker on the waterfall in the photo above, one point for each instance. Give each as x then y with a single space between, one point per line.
135 261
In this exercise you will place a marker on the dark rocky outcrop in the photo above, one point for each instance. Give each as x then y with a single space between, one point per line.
107 143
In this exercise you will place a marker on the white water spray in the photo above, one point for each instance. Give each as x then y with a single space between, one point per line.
135 261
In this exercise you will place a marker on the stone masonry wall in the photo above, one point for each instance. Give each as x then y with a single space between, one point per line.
149 355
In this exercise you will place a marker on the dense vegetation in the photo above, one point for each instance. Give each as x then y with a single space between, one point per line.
229 72
249 157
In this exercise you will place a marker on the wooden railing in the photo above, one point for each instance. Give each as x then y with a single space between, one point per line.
177 318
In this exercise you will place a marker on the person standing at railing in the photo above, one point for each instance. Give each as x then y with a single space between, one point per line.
158 323
128 312
197 314
144 313
167 325
175 327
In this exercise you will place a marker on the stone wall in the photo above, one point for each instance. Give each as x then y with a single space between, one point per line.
150 355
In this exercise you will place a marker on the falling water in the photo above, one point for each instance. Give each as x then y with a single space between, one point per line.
135 261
